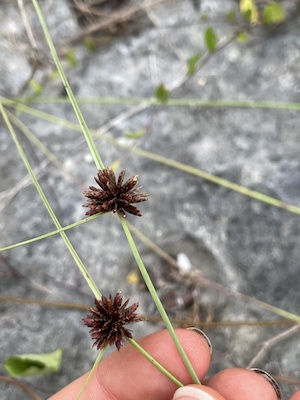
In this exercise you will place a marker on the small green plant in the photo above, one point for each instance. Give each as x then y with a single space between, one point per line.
36 87
210 39
113 195
162 94
249 10
71 57
273 13
192 63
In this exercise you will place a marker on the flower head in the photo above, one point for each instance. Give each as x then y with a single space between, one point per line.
114 195
107 320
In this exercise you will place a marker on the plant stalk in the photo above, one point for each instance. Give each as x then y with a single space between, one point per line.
157 301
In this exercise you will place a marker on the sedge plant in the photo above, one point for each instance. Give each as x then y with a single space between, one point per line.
104 306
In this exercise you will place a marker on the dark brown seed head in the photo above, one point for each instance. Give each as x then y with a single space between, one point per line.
107 321
114 195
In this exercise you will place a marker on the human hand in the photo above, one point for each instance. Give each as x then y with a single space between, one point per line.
127 375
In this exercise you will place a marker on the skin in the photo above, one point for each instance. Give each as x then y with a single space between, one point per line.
127 375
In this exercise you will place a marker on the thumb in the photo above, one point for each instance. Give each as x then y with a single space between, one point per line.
197 392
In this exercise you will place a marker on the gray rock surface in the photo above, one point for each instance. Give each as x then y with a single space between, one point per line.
231 239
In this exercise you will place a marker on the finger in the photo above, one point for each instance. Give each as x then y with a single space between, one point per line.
129 375
236 384
197 392
296 396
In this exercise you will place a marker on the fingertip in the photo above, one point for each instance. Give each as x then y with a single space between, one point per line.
203 335
237 383
196 392
296 396
269 378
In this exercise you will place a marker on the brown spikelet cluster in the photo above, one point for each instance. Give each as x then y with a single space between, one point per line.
107 320
114 195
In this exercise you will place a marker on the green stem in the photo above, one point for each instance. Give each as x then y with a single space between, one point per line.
52 233
209 283
257 104
157 301
215 179
91 373
164 255
154 362
35 141
85 130
167 161
74 254
100 165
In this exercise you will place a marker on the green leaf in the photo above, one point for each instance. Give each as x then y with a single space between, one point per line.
89 44
249 10
192 63
71 58
230 16
135 135
210 39
273 13
161 94
35 86
54 74
33 364
242 37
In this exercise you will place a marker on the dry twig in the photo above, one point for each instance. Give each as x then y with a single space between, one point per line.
25 388
265 347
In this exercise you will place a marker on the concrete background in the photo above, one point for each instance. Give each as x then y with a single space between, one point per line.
231 239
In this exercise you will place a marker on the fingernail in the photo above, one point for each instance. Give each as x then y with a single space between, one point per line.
204 335
270 379
191 393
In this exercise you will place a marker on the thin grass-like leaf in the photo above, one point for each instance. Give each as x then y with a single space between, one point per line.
259 104
81 120
154 362
96 156
70 247
246 298
157 301
181 166
91 373
35 141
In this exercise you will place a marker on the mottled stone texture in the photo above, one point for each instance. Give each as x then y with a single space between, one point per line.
232 239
